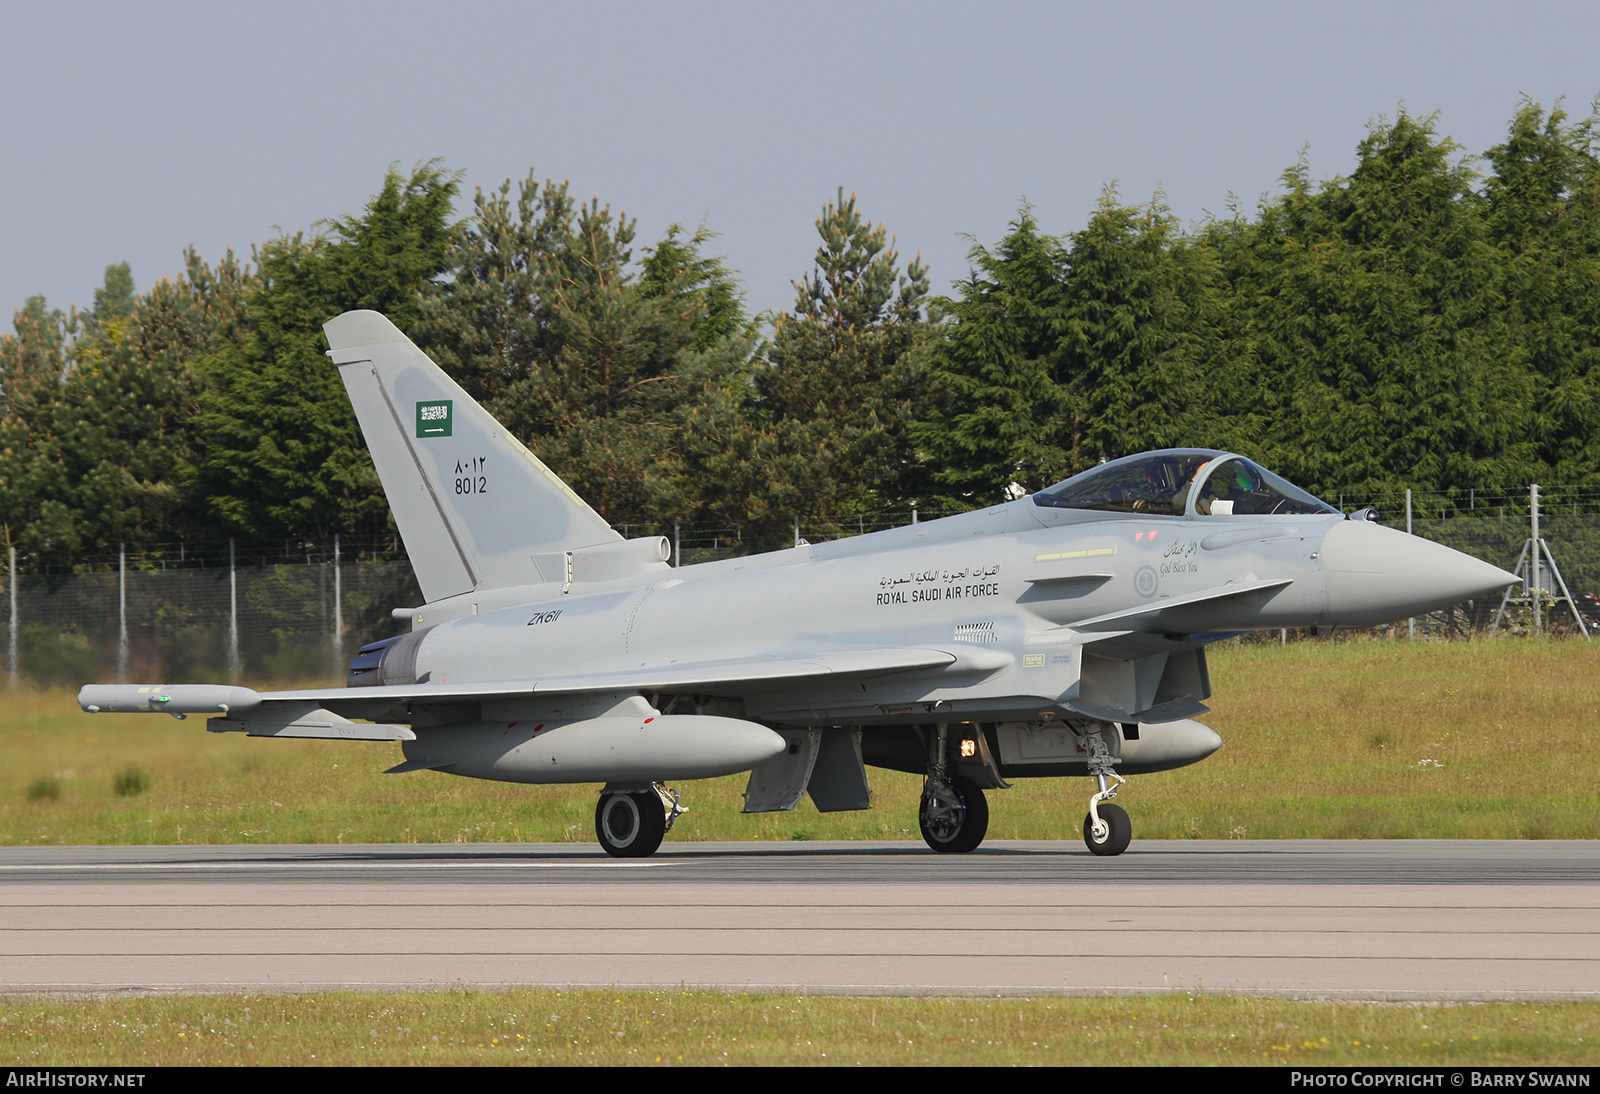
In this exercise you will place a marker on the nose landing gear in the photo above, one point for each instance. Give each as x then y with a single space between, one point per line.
1107 830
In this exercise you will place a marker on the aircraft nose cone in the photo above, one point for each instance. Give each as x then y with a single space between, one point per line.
1376 574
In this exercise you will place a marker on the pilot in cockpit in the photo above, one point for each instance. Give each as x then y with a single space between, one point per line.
1162 484
1161 477
1168 483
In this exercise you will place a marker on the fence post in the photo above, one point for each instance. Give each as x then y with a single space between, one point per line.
677 551
1535 558
122 613
797 531
235 669
338 608
1411 622
13 664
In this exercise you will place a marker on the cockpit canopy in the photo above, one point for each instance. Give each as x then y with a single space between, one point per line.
1178 482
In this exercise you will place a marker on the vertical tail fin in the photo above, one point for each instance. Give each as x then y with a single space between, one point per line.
472 504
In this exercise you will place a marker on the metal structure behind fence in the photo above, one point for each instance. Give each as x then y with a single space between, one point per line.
216 611
1497 528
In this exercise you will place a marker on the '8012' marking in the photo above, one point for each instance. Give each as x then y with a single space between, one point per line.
470 477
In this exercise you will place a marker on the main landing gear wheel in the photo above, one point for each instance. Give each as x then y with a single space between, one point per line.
630 823
1112 835
955 818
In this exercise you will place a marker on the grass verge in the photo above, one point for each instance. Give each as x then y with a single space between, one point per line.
696 1028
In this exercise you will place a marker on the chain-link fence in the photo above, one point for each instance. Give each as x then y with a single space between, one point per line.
205 611
1560 581
296 611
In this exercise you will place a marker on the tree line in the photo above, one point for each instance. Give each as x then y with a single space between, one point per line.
1430 321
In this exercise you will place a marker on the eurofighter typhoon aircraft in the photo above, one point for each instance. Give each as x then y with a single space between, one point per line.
1062 634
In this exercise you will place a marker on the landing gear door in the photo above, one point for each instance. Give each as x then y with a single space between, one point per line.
839 778
778 784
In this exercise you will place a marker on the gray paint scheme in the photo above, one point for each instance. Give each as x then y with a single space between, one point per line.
550 649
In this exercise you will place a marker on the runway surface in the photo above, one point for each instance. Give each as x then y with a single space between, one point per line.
1368 919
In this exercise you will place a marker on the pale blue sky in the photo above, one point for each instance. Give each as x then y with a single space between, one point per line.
134 129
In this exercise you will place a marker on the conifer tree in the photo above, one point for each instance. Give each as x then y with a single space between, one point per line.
1543 199
1003 416
843 383
95 449
283 453
1061 354
702 287
1375 299
32 362
591 360
36 350
1133 309
487 320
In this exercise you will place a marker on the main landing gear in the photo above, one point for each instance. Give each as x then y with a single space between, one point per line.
631 821
954 815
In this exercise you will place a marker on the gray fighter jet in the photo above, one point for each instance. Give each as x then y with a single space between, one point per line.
1062 634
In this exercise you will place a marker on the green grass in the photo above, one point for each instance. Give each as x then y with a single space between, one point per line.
678 1028
1356 739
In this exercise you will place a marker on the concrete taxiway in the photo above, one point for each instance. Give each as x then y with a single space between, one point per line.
1369 919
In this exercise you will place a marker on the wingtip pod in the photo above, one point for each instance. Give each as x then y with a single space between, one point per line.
166 698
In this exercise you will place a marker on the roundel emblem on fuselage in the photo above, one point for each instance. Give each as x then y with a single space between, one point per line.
1145 581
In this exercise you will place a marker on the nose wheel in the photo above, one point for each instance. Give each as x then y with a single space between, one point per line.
1111 833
